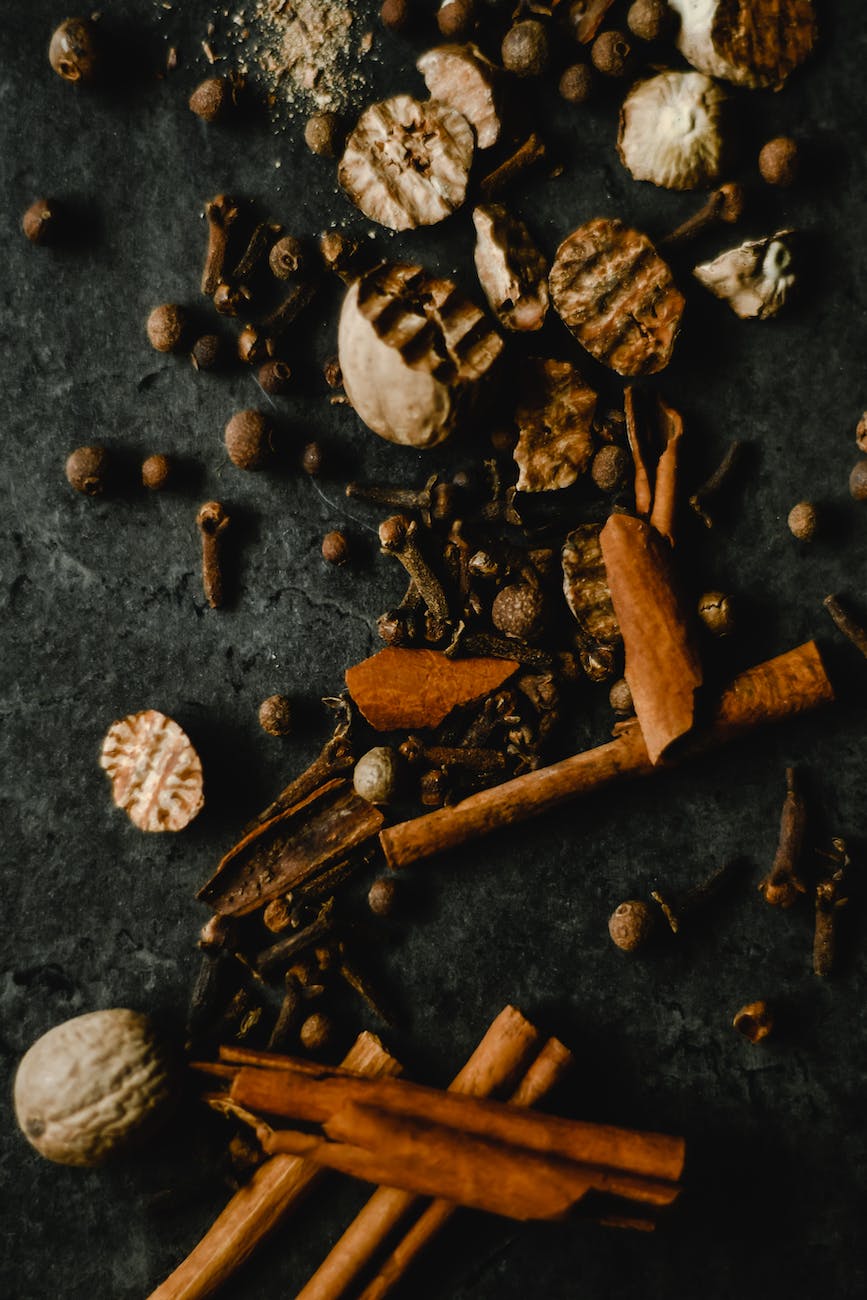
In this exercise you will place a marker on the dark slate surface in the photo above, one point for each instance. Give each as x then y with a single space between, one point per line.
102 614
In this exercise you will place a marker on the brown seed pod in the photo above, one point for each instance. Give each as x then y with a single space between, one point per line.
87 470
155 773
377 775
755 1021
394 14
554 416
671 131
617 296
286 257
248 439
456 17
316 1032
382 895
611 54
803 520
576 83
461 76
406 163
610 467
335 548
207 352
648 19
511 270
749 42
73 51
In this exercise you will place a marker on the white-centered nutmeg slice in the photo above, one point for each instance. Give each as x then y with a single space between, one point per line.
406 163
156 775
413 353
511 270
749 42
461 76
671 131
755 279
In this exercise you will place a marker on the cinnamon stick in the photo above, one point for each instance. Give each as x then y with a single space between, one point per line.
665 487
773 691
641 481
275 1189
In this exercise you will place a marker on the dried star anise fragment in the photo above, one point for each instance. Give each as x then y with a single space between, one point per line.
755 279
555 418
511 270
617 296
406 163
585 586
461 76
749 42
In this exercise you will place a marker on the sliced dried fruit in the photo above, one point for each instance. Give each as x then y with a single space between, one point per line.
585 585
511 270
406 163
461 76
617 296
671 130
755 279
750 42
419 688
555 418
413 352
156 775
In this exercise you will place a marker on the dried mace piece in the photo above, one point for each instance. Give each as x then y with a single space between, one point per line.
511 270
671 131
406 163
275 715
167 327
461 76
211 98
617 296
155 774
248 439
419 688
413 352
39 222
554 416
750 42
87 470
755 279
73 51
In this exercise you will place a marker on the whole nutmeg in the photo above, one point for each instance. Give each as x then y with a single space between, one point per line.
803 521
248 440
519 611
609 467
394 14
456 17
274 377
377 774
323 134
858 481
93 1086
755 1021
156 472
167 327
73 50
620 697
631 925
316 1032
275 715
286 257
779 161
525 48
648 19
716 613
335 548
87 470
39 222
611 54
576 84
381 896
207 352
211 98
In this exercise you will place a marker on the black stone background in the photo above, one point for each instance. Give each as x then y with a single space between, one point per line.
103 614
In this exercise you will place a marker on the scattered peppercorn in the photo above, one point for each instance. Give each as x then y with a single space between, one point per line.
858 481
211 98
73 51
631 924
609 467
207 352
323 134
156 472
611 54
803 521
167 327
316 1032
332 372
715 611
648 19
525 48
381 896
274 377
229 298
248 439
335 548
620 697
518 610
576 84
755 1021
286 257
456 17
39 222
87 470
779 161
394 14
275 715
312 459
376 775
254 347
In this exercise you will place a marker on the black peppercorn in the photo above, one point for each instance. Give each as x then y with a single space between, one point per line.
858 481
167 327
275 715
611 54
778 162
207 352
525 48
316 1032
576 84
248 440
323 134
286 257
73 51
312 459
394 14
381 896
211 98
456 17
274 377
631 924
156 472
648 19
87 470
335 548
39 222
609 468
519 611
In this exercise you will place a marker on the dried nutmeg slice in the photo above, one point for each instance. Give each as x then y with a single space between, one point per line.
406 163
755 279
617 296
412 352
750 42
555 417
461 76
585 585
156 775
511 270
671 131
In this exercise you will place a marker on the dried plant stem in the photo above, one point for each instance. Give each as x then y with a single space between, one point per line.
782 885
846 623
530 152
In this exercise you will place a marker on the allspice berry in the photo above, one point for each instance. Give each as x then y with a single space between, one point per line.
609 468
275 715
286 257
715 612
779 161
316 1032
40 221
611 54
519 611
248 439
858 481
381 896
631 924
576 84
166 327
274 377
211 98
456 17
207 352
620 697
394 14
803 521
323 134
376 775
648 19
156 472
525 48
87 470
73 51
335 548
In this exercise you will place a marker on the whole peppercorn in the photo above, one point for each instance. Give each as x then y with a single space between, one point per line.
87 470
166 327
519 610
631 924
456 17
73 51
620 697
316 1032
861 432
207 352
254 348
858 481
335 548
779 161
248 439
211 98
39 222
275 715
525 48
156 472
312 459
648 19
611 54
755 1021
333 373
394 14
576 84
376 775
609 468
803 521
381 896
715 611
274 377
286 257
323 134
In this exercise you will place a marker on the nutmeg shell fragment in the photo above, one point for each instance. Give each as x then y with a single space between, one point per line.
155 774
461 76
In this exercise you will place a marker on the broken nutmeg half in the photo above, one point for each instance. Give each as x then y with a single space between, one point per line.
756 278
749 42
511 269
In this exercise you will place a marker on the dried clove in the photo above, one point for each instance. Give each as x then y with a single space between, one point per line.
697 898
289 1015
717 482
783 883
221 212
525 156
335 758
504 647
284 950
846 624
725 204
297 299
212 522
396 498
398 536
829 901
257 246
360 982
487 762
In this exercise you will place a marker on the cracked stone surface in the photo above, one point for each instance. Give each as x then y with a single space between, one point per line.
101 614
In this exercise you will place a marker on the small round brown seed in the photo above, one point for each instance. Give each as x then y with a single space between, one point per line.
576 84
755 1021
312 459
631 924
73 51
230 298
323 134
166 327
274 377
335 548
39 222
382 895
456 17
211 98
333 373
648 19
394 15
611 54
275 715
316 1032
620 697
207 352
254 348
858 481
87 470
778 161
286 257
803 521
519 611
525 48
609 468
377 774
715 611
248 439
156 472
861 432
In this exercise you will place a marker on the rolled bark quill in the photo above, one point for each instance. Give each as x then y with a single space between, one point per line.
773 691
